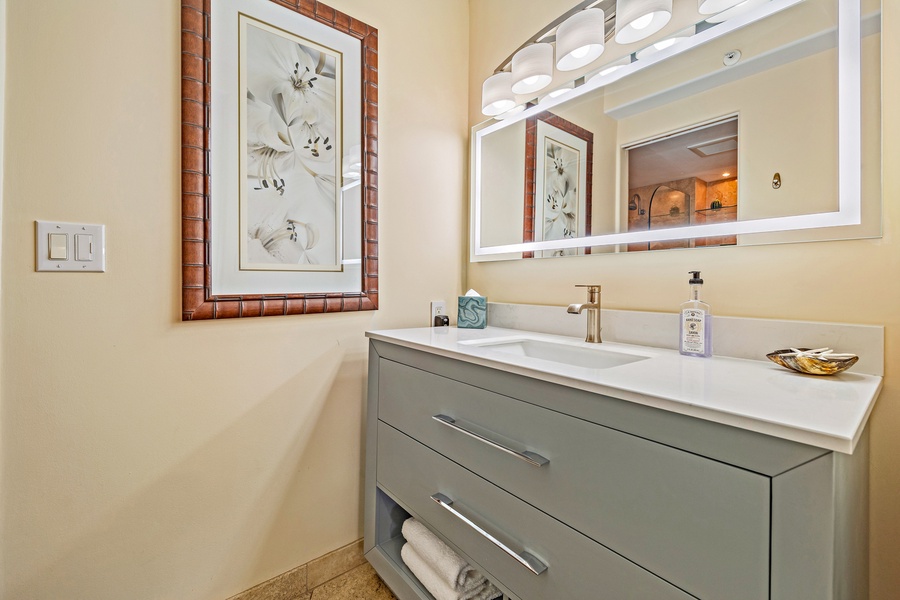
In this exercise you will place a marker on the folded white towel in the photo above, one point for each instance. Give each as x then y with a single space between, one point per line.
488 592
436 585
447 564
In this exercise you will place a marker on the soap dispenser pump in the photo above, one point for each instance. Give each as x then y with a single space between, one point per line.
696 322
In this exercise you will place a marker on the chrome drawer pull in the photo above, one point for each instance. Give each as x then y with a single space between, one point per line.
535 460
523 558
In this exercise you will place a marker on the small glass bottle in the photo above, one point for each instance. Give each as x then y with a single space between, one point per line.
695 332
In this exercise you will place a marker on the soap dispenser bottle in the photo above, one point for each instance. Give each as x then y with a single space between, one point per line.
696 322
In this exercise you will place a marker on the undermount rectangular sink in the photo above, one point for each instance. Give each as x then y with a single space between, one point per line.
590 357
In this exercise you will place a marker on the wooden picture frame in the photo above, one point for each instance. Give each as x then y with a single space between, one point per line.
198 298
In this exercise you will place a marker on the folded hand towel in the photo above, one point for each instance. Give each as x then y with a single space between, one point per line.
436 584
487 591
426 575
447 564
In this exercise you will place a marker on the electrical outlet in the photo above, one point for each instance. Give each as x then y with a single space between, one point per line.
438 309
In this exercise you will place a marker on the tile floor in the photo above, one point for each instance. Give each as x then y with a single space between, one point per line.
340 575
361 583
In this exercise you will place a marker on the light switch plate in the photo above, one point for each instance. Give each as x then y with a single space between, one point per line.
93 247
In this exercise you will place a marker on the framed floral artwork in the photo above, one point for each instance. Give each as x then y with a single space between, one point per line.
558 180
279 167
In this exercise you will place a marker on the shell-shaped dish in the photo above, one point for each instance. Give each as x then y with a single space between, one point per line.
810 365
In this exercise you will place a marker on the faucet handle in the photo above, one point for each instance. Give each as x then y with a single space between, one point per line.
593 292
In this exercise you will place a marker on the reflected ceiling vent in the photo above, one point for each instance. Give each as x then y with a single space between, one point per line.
717 146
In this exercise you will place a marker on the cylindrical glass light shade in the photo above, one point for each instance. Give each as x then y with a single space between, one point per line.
711 7
532 68
496 94
579 39
639 19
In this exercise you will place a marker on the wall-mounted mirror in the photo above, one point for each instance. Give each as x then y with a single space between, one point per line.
761 128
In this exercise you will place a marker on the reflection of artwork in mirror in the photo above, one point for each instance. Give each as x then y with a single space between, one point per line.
291 126
558 182
689 178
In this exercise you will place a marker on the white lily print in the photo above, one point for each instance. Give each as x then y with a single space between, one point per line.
277 238
290 213
561 201
298 83
268 144
272 152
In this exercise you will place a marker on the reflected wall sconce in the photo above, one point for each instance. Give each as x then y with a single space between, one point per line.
580 39
639 19
496 94
532 68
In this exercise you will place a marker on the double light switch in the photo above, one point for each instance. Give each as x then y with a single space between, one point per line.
70 247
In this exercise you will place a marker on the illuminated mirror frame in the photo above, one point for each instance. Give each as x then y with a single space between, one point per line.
849 31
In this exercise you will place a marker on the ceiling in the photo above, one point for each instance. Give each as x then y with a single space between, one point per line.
672 158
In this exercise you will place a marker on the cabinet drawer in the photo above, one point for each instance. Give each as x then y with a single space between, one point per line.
697 523
576 567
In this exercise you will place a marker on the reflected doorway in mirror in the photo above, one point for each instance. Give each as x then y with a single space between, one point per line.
684 178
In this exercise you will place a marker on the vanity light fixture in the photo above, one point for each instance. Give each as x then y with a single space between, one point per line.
496 94
639 19
580 39
532 68
711 7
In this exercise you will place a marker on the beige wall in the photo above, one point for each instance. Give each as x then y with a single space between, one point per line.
847 281
502 219
143 457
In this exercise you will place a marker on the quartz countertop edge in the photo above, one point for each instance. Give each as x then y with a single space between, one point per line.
827 412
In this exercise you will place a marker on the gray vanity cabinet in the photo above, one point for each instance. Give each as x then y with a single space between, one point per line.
607 498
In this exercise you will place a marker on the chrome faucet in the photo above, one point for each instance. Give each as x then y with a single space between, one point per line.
593 313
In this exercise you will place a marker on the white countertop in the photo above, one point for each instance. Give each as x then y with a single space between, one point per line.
757 395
